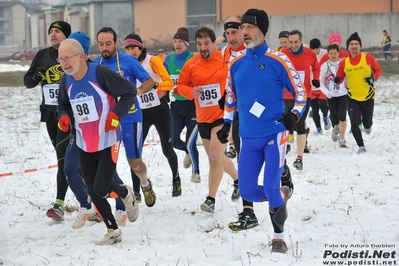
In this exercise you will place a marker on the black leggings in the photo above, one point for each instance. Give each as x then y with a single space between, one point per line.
162 120
318 104
338 109
98 168
60 141
360 112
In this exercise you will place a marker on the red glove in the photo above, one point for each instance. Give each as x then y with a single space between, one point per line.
63 123
112 122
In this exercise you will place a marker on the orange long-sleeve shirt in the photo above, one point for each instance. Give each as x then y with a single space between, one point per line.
210 74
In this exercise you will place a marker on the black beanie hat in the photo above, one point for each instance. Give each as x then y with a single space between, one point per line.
283 34
62 26
133 40
182 34
258 18
354 37
314 43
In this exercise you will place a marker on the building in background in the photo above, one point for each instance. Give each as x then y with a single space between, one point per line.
25 22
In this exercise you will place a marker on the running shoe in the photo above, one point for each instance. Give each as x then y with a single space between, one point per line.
56 212
246 220
236 193
298 164
278 245
231 152
149 195
335 133
327 123
176 187
83 216
187 161
132 208
111 237
120 218
208 206
195 178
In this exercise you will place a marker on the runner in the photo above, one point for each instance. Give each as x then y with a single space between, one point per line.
203 78
89 92
319 101
45 70
336 95
235 48
155 107
361 71
130 69
183 109
304 61
263 125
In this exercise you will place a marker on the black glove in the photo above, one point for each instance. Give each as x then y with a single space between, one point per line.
369 80
39 74
222 100
223 133
316 83
288 120
337 80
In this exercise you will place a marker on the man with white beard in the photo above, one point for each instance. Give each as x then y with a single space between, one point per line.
258 79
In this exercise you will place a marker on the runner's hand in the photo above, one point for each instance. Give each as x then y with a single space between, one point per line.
112 122
223 133
63 123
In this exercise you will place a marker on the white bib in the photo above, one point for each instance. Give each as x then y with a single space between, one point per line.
84 110
210 95
149 99
50 92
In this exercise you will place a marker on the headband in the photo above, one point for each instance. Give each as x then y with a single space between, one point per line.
232 25
130 42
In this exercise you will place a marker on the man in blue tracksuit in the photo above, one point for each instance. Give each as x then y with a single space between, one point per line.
257 82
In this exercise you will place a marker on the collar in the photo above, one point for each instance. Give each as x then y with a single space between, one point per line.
182 55
300 50
259 50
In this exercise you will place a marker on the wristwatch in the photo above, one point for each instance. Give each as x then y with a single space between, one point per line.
155 85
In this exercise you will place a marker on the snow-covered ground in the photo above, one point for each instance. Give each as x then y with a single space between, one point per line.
344 204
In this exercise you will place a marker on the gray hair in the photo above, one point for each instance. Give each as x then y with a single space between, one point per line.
77 47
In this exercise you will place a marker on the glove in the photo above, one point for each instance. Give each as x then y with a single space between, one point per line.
223 133
369 80
112 122
329 94
288 120
39 74
222 100
63 123
316 83
337 80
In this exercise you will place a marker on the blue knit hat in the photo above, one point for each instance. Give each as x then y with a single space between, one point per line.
83 39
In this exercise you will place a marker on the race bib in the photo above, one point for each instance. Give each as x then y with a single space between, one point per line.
210 95
175 78
301 76
50 92
84 109
149 99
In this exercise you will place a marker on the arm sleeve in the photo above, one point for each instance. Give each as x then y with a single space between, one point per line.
124 89
292 82
230 104
28 77
377 71
167 83
184 85
64 105
323 71
315 68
